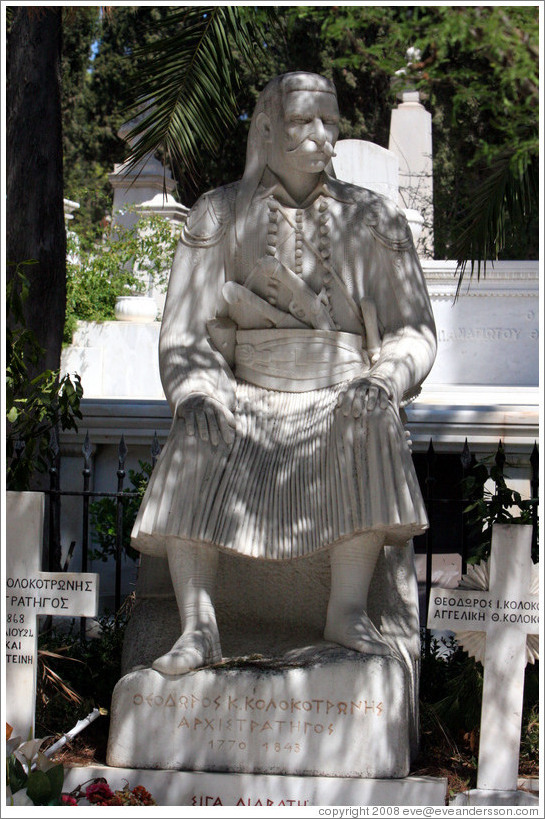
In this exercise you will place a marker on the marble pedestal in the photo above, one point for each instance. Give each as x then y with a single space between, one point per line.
198 789
318 711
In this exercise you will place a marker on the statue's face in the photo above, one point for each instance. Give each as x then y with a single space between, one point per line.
305 132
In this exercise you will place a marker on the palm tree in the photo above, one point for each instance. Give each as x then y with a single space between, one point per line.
507 196
185 96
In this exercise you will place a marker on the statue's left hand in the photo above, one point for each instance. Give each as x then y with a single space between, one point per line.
207 418
361 396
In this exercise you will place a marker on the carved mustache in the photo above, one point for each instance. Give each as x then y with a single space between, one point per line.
326 148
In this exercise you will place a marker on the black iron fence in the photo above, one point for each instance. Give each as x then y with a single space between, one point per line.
121 496
443 477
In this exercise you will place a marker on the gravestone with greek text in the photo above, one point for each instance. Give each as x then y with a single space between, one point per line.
495 616
30 593
312 715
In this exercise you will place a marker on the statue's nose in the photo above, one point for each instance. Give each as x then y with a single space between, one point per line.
318 132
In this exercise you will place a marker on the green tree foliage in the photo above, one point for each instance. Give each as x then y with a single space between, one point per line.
98 75
477 74
117 70
491 501
186 89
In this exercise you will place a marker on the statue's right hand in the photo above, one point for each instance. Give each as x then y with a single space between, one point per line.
207 418
362 396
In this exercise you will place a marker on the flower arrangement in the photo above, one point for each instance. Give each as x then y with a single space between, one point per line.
98 792
33 779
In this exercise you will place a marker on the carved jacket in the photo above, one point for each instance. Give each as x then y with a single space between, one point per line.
352 253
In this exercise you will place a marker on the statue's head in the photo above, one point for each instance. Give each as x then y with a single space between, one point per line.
295 124
296 120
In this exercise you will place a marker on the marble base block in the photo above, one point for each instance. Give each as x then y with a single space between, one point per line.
176 788
319 711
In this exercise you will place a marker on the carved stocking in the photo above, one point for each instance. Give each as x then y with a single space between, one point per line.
193 570
352 567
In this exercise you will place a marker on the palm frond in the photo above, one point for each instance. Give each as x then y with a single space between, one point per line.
185 94
508 194
51 677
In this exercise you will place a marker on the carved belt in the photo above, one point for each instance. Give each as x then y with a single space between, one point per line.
298 360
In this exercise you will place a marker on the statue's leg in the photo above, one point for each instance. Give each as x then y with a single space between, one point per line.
193 570
352 567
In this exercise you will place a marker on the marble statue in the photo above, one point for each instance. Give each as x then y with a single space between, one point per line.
297 325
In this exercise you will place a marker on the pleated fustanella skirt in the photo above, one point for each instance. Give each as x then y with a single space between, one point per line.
299 477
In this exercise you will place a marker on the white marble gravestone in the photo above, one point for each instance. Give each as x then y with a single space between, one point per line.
495 616
368 165
29 593
411 141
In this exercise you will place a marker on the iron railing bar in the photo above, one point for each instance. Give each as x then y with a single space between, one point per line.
55 493
430 500
534 492
86 450
122 452
466 460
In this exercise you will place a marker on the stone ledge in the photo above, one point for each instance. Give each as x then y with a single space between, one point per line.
478 796
214 789
325 711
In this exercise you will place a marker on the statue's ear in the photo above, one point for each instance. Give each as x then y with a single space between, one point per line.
263 125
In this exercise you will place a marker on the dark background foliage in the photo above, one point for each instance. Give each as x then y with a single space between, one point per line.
477 75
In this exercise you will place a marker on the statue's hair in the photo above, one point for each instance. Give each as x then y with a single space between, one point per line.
270 98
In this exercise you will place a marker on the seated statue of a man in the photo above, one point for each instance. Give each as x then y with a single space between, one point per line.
297 323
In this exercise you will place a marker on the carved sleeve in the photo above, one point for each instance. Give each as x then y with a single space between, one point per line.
188 362
396 284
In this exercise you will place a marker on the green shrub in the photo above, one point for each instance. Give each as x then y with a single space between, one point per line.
503 505
128 260
103 516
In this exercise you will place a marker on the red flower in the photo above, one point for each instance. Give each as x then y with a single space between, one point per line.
66 799
98 792
141 792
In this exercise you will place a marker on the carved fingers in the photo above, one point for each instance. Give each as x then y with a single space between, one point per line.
207 418
362 396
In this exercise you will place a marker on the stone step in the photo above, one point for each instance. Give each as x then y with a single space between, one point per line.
214 789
